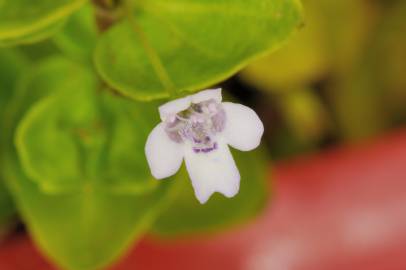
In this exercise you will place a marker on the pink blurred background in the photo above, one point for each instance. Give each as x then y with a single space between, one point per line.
342 209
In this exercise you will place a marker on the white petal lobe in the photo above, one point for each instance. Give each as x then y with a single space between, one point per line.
207 95
212 172
173 107
164 156
243 129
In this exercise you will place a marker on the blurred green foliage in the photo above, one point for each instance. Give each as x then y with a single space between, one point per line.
11 67
79 36
341 78
75 79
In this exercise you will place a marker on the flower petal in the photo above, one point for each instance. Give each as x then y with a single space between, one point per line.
213 171
164 156
173 107
207 95
243 129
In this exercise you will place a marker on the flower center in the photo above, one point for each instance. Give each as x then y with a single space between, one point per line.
197 125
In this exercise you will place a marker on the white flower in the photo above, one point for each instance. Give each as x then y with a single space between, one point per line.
199 128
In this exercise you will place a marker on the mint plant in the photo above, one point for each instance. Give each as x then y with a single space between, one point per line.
80 86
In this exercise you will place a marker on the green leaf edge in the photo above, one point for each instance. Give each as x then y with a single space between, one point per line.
28 169
34 37
21 147
140 97
47 20
139 229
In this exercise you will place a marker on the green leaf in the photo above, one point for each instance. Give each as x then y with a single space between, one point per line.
304 114
24 19
90 228
73 139
12 65
7 208
358 105
370 96
388 51
333 37
347 27
78 38
163 46
40 81
303 60
37 52
85 230
186 215
34 36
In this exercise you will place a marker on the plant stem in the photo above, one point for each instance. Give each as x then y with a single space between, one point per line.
106 13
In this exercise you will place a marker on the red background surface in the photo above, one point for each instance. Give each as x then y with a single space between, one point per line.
341 209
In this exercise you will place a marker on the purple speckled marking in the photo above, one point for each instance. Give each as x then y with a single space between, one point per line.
205 150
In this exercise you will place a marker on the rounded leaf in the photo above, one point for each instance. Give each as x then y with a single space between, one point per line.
23 19
79 135
182 45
